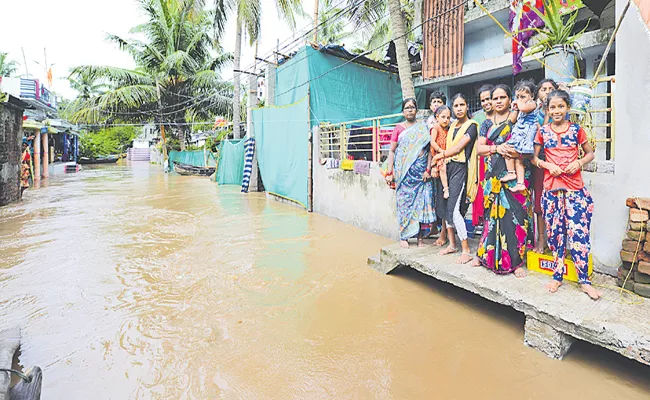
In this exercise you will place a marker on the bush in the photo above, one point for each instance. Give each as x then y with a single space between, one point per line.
106 141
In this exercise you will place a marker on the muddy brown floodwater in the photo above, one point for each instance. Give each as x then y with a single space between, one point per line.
131 284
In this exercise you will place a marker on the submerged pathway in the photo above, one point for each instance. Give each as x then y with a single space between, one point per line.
131 284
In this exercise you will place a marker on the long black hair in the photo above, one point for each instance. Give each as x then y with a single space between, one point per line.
542 82
561 94
485 88
409 100
459 96
503 87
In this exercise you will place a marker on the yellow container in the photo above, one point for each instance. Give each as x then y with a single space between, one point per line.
544 263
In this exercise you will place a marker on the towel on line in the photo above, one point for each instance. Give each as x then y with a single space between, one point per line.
362 167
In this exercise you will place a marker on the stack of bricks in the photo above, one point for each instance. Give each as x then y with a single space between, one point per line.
635 252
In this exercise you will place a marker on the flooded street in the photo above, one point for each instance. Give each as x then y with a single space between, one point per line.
132 284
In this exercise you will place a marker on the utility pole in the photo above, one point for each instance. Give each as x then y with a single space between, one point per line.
316 21
25 62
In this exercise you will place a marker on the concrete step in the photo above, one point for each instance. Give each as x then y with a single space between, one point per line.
620 323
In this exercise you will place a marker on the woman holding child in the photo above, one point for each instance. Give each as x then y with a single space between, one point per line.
408 168
461 171
507 226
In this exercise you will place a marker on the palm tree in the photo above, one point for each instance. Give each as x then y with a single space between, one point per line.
86 85
248 14
369 14
332 27
176 76
7 67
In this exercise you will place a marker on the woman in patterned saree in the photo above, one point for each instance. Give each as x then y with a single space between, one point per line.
508 217
409 167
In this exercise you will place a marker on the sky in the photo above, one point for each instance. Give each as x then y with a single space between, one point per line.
73 33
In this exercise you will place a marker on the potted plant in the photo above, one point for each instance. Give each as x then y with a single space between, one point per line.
557 42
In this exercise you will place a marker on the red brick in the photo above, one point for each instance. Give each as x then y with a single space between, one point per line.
643 267
638 226
631 245
631 202
643 256
637 215
643 202
635 235
646 247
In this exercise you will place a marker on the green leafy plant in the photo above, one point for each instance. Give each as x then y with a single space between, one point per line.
557 31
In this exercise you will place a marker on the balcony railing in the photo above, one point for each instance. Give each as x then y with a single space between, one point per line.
364 139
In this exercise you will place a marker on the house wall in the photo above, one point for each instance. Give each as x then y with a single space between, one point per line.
363 201
10 150
484 44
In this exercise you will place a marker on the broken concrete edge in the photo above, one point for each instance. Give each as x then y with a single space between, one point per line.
9 344
599 336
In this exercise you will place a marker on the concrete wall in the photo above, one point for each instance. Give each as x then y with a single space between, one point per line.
483 44
630 177
364 201
10 150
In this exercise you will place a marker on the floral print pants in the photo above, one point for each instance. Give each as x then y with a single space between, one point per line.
568 219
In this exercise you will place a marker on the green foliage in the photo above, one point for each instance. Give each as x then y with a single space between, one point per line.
557 31
7 67
177 71
106 141
372 22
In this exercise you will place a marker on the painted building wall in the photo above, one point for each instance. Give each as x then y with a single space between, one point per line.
483 44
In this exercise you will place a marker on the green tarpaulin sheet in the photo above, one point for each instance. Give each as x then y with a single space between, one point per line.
282 140
231 162
196 158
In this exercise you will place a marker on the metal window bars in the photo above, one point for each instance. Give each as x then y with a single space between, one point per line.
363 139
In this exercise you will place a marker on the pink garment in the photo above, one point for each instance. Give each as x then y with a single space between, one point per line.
399 128
477 206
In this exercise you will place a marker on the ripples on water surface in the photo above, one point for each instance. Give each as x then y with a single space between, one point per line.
132 284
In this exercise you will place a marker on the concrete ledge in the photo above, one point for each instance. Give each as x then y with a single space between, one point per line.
552 320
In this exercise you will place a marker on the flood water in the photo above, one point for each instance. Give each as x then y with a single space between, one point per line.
132 284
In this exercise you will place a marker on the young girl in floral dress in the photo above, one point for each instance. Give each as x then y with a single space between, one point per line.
568 206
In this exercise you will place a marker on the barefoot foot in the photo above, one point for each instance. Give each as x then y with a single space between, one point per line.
520 187
553 286
477 263
448 250
591 292
404 244
420 242
464 258
539 249
440 242
520 273
510 176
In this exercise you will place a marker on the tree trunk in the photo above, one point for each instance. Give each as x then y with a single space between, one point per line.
236 112
401 48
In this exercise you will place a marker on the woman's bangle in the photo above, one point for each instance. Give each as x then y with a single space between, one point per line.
428 170
389 173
